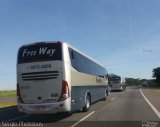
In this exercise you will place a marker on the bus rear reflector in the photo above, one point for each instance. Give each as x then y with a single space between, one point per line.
19 98
65 91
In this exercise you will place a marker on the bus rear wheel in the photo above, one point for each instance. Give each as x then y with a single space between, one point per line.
87 103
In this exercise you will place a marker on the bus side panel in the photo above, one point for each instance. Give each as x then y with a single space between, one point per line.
78 97
79 94
83 84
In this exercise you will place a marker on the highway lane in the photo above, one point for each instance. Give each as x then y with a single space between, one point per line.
121 109
128 109
129 106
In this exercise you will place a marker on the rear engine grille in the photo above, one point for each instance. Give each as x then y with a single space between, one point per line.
40 75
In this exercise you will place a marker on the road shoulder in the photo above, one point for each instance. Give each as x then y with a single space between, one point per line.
153 96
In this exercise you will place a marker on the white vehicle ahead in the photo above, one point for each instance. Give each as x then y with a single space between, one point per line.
117 83
55 77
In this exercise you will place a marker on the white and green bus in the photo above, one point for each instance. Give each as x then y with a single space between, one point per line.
55 77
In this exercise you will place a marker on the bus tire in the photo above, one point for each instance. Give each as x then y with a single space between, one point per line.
69 113
106 94
87 103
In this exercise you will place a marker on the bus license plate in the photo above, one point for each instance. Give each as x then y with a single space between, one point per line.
39 107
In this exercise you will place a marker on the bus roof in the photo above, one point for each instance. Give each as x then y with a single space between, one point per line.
43 42
89 57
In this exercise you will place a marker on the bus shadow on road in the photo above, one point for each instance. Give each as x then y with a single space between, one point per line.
116 91
45 118
12 115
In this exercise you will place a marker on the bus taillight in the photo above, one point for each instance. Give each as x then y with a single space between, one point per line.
65 91
19 98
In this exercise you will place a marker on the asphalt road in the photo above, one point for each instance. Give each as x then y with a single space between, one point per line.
122 109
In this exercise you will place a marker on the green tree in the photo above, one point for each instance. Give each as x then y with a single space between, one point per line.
156 74
133 82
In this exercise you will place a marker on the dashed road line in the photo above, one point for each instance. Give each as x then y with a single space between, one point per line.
113 98
82 119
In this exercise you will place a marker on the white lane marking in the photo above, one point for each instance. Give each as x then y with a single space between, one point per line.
149 103
17 118
8 108
82 119
113 98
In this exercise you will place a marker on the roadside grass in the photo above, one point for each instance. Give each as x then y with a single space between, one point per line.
7 104
7 93
157 89
155 86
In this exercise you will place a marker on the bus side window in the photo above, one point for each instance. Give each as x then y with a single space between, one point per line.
72 54
107 76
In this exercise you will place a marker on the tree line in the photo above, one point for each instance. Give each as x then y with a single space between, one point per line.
156 74
151 82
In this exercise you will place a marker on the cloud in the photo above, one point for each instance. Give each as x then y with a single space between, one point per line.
147 50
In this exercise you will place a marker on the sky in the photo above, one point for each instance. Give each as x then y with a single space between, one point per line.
123 35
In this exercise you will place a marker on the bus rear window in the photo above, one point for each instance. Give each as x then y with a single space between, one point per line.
40 52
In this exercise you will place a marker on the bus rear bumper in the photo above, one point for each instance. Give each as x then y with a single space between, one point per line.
46 108
117 89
